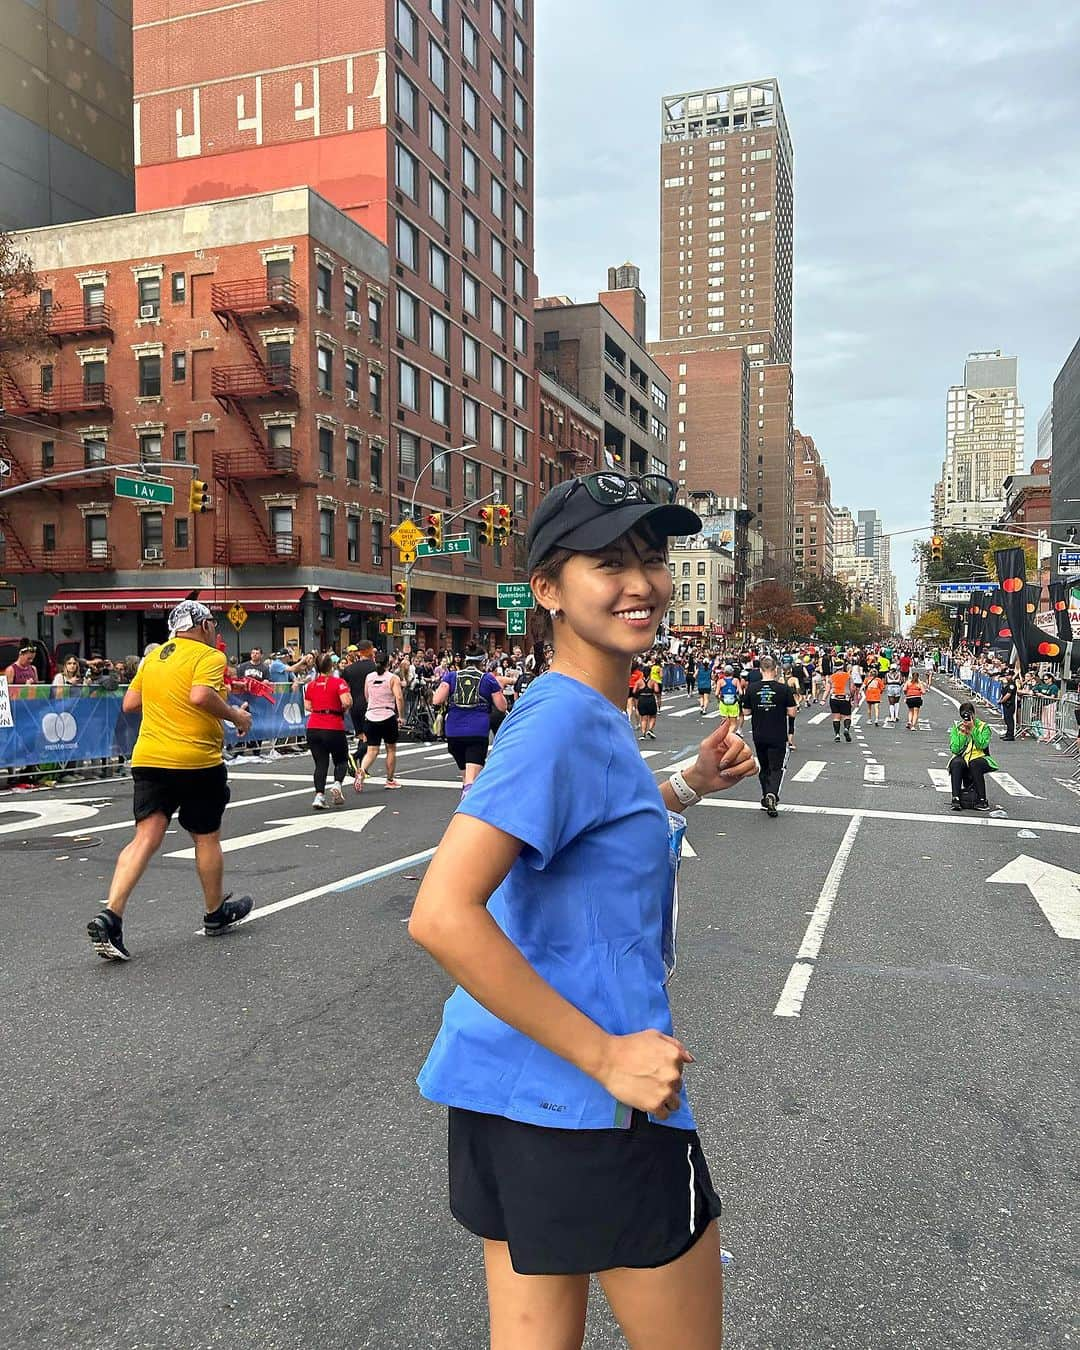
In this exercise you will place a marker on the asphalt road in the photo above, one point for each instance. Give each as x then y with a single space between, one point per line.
221 1143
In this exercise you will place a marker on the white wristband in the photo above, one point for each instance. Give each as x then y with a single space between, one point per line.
682 789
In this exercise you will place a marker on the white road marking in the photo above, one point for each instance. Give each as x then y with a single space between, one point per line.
688 850
648 754
684 712
1056 891
794 990
353 821
874 773
679 764
241 801
809 771
1011 786
820 717
45 813
940 779
949 818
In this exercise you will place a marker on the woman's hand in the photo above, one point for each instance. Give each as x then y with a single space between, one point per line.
645 1071
723 760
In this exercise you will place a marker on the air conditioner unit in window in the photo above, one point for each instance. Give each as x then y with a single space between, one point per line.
353 316
352 400
148 311
152 554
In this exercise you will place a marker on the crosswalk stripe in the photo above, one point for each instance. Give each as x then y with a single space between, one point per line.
940 779
683 712
874 773
821 716
809 771
1011 786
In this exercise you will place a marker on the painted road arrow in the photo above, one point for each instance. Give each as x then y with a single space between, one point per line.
353 821
44 813
1056 889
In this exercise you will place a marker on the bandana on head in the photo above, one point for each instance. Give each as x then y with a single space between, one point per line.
188 614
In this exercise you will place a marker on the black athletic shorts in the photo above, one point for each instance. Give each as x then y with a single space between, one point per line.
572 1202
468 749
840 706
914 702
200 796
377 732
646 705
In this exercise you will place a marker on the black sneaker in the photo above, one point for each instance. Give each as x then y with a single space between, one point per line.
770 804
106 933
227 915
957 805
847 734
837 737
982 806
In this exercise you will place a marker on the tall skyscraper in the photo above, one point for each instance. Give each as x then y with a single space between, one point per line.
814 524
726 209
65 112
984 441
416 120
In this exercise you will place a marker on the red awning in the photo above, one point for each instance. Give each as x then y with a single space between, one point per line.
113 599
255 599
377 602
456 621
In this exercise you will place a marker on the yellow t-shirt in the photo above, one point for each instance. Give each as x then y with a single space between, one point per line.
174 734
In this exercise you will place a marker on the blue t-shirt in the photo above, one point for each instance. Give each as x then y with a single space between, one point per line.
704 679
279 671
585 902
470 721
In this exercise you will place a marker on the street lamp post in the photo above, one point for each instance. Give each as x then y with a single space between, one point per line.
407 569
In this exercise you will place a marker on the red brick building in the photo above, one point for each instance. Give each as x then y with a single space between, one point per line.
710 412
415 118
570 430
246 337
813 543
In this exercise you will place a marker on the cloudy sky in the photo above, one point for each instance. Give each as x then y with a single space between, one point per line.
937 197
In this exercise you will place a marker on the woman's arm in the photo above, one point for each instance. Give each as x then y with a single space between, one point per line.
723 759
399 696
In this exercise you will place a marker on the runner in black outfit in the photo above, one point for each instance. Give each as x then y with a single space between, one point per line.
354 674
768 703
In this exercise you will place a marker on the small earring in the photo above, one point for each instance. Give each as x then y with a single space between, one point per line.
554 612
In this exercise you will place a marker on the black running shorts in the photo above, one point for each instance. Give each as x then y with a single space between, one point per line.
840 706
377 732
914 702
646 705
200 796
572 1202
468 749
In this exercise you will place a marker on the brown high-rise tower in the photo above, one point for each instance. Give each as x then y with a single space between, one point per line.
725 287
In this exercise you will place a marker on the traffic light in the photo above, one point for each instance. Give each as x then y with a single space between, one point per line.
435 529
937 548
504 523
386 626
401 597
487 524
198 497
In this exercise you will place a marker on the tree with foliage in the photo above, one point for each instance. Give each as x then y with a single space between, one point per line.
829 600
1000 541
934 625
771 610
24 324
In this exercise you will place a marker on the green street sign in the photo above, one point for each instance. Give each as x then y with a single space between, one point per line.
516 623
455 543
142 490
516 595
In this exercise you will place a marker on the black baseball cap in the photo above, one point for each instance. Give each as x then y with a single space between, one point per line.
569 518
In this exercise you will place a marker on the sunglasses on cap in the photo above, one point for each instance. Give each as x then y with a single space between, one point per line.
609 488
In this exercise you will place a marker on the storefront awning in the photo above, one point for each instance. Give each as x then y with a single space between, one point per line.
255 599
366 602
112 600
456 621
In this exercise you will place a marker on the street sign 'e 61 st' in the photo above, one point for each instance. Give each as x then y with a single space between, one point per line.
457 543
142 490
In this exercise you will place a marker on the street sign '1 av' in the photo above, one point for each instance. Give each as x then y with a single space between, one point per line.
142 490
515 595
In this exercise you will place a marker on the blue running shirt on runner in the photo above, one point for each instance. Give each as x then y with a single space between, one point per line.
585 902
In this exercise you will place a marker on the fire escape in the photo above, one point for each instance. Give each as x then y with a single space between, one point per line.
235 387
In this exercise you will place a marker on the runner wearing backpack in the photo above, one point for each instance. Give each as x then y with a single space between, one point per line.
470 694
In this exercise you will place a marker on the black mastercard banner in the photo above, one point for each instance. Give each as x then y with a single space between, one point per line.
1032 644
1059 603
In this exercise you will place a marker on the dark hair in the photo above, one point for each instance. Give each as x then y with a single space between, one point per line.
967 707
325 664
380 663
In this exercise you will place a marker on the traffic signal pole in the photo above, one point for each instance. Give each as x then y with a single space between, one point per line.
140 466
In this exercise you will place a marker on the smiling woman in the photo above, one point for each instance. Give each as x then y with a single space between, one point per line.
550 901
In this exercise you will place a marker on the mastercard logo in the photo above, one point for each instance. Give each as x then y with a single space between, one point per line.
1005 633
1030 609
1012 584
1048 649
996 609
1059 605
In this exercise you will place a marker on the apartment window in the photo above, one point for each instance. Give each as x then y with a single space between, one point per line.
521 446
470 294
498 374
326 533
521 223
149 376
405 27
325 361
472 480
498 316
439 269
152 531
498 257
470 43
520 118
376 542
352 378
701 571
498 139
498 199
520 10
521 389
470 231
97 536
150 449
375 391
439 202
498 80
281 528
470 356
701 592
324 279
521 499
521 334
438 134
178 284
469 104
352 459
352 538
498 20
440 402
440 335
405 173
375 457
498 433
149 297
48 454
470 418
437 65
408 314
521 168
498 486
179 367
326 450
521 279
408 454
180 532
408 386
407 243
519 54
469 169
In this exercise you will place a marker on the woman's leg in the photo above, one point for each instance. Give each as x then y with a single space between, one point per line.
687 1295
320 753
533 1312
915 717
371 754
340 751
391 762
